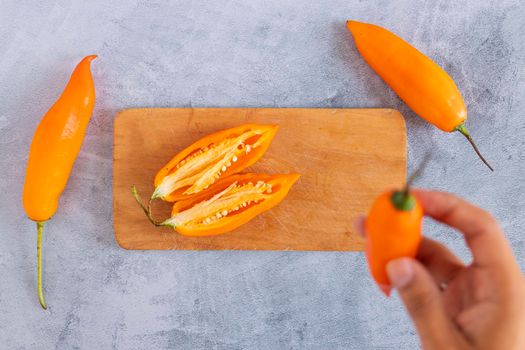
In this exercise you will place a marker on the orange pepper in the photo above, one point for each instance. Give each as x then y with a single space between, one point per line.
213 157
230 203
426 88
393 230
53 151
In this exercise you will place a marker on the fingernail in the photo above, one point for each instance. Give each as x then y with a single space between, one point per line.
400 272
359 225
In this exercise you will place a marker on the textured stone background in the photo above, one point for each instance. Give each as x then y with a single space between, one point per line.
236 53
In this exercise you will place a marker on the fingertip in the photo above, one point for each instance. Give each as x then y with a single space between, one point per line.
435 202
400 272
359 225
425 197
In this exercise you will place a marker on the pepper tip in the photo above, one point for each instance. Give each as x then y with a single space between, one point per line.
351 24
90 58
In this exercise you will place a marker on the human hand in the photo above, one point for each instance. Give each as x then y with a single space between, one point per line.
458 306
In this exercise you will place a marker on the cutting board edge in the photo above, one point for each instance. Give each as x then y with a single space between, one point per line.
122 113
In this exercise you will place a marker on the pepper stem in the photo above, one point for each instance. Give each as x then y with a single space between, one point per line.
146 210
403 200
39 229
463 130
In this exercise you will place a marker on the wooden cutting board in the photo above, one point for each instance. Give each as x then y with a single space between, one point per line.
346 158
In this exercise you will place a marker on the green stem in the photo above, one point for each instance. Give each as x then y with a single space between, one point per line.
146 210
39 229
463 130
403 200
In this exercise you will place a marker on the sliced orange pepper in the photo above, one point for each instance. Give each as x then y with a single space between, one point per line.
230 203
211 158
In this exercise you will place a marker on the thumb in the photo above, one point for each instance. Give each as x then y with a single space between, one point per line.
423 302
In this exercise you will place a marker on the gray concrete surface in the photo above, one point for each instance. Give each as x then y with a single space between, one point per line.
235 53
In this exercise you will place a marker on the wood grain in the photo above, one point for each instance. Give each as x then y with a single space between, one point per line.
346 157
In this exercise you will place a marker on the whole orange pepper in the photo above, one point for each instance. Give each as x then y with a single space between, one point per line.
393 230
426 88
53 151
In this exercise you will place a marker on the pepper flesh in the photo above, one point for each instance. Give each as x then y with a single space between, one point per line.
229 204
212 158
391 233
424 86
53 151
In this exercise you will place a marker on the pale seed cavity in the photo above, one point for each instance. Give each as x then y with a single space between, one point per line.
205 166
223 204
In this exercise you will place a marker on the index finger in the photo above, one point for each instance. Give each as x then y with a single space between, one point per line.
481 231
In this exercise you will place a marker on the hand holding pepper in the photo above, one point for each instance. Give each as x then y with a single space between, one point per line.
458 306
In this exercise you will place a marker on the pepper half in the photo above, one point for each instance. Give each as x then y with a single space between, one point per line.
210 159
230 203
